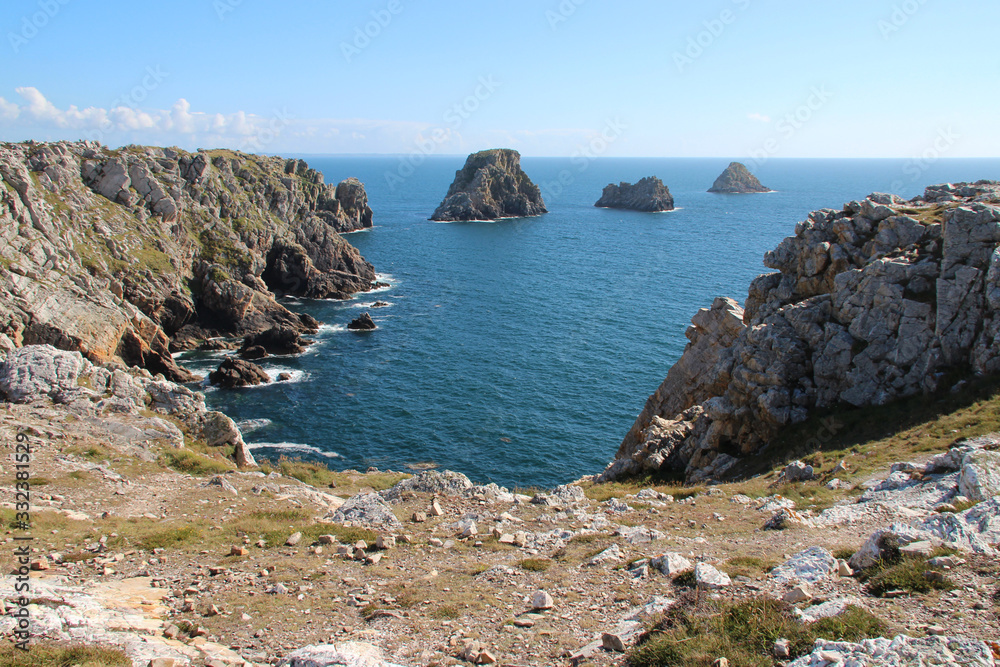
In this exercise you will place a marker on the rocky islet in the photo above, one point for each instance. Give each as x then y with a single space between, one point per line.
648 195
490 186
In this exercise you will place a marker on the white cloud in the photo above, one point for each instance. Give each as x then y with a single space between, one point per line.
760 118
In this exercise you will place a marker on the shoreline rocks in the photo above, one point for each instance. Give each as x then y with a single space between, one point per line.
870 303
363 322
737 179
648 195
491 185
233 373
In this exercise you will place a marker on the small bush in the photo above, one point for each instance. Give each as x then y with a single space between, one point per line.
535 564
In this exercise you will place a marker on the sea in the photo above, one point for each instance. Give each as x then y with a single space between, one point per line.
521 351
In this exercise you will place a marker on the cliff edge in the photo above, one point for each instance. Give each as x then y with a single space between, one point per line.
491 185
880 300
130 254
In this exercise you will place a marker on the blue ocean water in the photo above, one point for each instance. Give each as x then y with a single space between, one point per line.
520 351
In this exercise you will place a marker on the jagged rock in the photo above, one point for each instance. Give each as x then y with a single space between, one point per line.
347 654
234 372
648 195
870 303
187 246
442 482
785 518
980 478
737 179
900 651
368 509
809 566
672 564
797 471
363 322
612 554
491 185
39 371
561 496
276 340
709 578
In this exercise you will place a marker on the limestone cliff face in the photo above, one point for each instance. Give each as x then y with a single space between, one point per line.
648 195
870 303
737 179
128 254
491 185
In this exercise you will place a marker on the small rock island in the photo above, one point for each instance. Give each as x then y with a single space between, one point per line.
648 195
491 185
737 179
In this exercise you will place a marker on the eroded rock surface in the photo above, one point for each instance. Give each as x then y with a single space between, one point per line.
649 195
126 255
869 304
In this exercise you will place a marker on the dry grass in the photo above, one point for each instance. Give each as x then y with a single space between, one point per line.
57 655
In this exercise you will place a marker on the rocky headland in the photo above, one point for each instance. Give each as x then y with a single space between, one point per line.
879 300
491 185
129 255
737 179
648 195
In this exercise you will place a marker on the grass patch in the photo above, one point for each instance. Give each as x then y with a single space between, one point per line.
193 463
960 507
748 566
53 655
696 633
148 535
90 452
535 564
445 612
909 573
844 553
478 569
318 474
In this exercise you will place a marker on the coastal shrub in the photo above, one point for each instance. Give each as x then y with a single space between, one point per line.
52 655
694 632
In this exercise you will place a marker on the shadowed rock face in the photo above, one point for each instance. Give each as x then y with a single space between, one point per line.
880 300
648 195
491 185
737 179
133 253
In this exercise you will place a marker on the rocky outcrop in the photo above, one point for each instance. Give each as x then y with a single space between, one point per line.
130 401
363 322
233 373
126 255
276 340
737 179
649 195
491 185
871 303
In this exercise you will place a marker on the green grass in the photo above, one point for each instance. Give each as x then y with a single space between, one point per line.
193 463
148 535
319 475
961 506
748 566
445 611
695 633
535 564
53 655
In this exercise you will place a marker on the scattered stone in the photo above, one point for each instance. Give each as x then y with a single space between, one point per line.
672 564
798 594
902 650
436 509
293 539
709 578
385 542
370 510
781 649
621 637
612 554
347 654
541 600
810 566
238 551
419 517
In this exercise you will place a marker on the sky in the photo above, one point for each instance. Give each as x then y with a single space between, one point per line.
722 78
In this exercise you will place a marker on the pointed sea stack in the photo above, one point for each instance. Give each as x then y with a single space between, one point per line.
737 179
648 195
491 185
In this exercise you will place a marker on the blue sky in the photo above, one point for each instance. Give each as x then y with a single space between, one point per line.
728 78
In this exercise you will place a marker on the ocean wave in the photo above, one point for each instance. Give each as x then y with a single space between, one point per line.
296 375
251 425
293 447
332 328
371 304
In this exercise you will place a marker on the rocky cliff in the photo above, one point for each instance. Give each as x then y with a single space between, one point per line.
130 254
737 179
649 195
880 300
491 185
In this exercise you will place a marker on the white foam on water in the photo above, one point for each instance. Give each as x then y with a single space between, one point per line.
332 328
273 373
294 447
251 425
371 304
